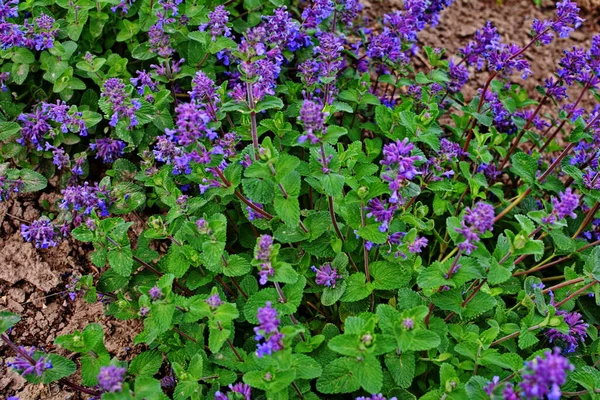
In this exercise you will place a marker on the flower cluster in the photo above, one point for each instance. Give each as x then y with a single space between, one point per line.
108 149
399 166
242 390
110 379
8 186
268 331
83 199
326 275
113 91
41 232
577 331
476 221
27 364
562 207
545 376
263 253
313 119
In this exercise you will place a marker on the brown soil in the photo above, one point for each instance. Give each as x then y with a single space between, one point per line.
32 281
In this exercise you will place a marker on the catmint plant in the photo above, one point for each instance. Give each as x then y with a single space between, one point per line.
292 208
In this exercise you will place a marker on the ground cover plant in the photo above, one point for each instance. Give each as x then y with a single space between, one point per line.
322 219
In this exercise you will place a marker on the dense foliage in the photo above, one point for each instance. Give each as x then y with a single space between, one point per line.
321 217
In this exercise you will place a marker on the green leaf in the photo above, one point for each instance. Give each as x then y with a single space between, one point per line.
268 103
221 43
162 315
357 288
525 167
7 320
288 209
370 374
347 345
90 339
339 376
33 181
402 368
236 266
259 190
388 276
372 234
417 340
9 130
146 363
121 260
331 295
333 184
306 367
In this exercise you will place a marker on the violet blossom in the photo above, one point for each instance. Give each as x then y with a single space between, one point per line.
268 331
263 253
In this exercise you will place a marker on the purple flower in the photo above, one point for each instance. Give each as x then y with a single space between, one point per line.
263 251
408 323
214 301
60 158
382 211
159 41
313 119
168 381
240 388
108 149
8 186
35 127
217 21
319 11
25 367
40 35
577 330
155 293
563 207
4 76
481 217
378 396
142 81
477 51
114 92
9 9
144 311
191 125
84 199
418 244
567 18
399 165
475 222
41 233
253 215
326 275
110 379
544 376
268 331
459 75
204 90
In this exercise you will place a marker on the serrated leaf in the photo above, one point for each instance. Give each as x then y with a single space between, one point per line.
338 376
388 276
146 363
121 260
288 209
402 368
357 288
525 167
